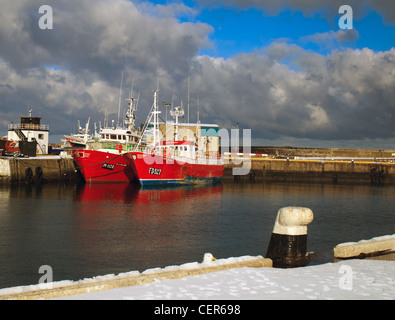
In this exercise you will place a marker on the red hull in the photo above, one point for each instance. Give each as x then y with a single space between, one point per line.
153 170
101 166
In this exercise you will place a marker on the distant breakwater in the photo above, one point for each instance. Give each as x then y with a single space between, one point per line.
315 165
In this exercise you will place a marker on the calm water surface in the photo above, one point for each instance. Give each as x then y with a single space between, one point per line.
88 230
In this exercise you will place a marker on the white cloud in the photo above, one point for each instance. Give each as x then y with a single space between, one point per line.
345 95
332 39
318 117
278 94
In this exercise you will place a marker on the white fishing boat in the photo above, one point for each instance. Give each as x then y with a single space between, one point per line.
81 138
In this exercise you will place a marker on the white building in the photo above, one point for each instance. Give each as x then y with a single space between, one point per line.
206 136
30 129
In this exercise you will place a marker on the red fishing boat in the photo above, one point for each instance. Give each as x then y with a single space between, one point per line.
102 165
102 161
172 162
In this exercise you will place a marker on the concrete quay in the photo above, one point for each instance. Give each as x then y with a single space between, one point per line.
134 278
37 169
313 165
315 171
364 248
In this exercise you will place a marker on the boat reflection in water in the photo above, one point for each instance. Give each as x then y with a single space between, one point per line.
125 225
129 192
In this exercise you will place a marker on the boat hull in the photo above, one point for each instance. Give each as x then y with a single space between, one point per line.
153 170
102 166
75 142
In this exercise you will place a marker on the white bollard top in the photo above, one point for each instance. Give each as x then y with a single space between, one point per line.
293 221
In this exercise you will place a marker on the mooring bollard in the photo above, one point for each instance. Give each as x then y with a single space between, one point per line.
288 242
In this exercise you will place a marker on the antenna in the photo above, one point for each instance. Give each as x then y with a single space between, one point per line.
166 104
120 97
131 87
172 100
198 111
188 99
176 113
105 118
137 103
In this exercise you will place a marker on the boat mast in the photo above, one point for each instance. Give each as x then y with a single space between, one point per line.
147 122
156 113
129 114
176 113
188 99
86 130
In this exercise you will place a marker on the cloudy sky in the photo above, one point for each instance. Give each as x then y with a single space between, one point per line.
284 69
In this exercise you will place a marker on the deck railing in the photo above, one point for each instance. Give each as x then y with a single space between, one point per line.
28 126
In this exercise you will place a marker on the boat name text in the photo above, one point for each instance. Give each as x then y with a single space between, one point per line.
155 171
108 166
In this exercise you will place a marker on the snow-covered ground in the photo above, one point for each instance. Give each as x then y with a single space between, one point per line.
350 279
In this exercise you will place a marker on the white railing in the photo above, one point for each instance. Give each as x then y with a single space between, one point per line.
28 126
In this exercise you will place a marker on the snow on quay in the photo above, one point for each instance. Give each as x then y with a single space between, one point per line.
353 279
349 279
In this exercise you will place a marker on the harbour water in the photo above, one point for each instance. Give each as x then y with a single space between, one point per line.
82 231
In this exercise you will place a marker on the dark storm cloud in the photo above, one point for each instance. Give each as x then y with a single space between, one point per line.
100 35
329 8
91 42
